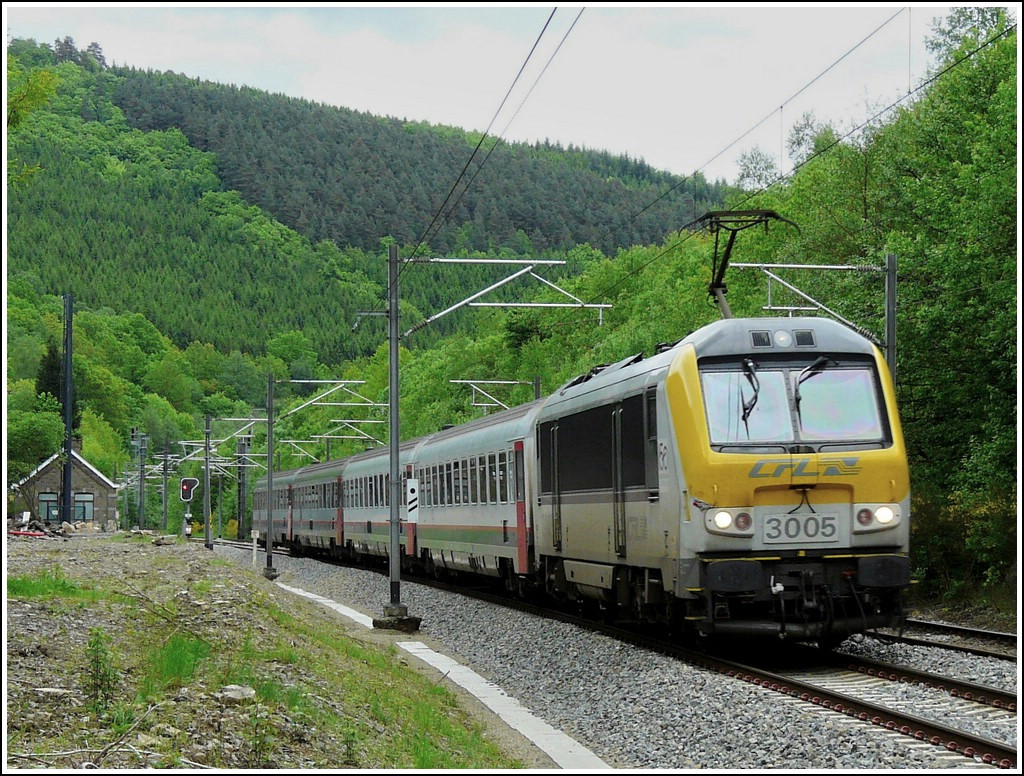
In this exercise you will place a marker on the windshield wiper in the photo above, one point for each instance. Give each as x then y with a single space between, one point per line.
807 374
748 406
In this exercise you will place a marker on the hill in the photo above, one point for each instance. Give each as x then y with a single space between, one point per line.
336 174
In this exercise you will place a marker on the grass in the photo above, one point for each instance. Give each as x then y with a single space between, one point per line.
424 726
51 583
173 664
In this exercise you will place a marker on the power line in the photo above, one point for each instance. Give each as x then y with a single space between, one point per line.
501 135
688 178
816 155
483 137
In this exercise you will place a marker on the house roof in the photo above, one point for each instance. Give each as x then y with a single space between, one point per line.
75 455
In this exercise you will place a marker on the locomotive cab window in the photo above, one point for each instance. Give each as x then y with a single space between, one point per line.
822 417
818 401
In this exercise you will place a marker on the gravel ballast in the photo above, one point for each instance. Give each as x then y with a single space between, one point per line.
634 708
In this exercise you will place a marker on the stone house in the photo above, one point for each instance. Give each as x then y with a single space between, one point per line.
94 496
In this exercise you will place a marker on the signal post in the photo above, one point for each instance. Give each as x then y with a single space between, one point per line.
186 490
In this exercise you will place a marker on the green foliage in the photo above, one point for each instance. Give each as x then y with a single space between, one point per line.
327 171
101 444
26 92
32 437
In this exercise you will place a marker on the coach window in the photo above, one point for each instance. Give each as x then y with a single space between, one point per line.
544 449
492 491
465 481
499 478
457 482
510 477
473 496
520 475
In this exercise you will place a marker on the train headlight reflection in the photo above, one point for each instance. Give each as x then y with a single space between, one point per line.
723 520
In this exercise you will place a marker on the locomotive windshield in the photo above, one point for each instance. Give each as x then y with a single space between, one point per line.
784 405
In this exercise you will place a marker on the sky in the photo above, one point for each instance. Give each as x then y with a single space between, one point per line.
678 86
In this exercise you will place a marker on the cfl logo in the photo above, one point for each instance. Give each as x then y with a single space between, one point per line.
805 467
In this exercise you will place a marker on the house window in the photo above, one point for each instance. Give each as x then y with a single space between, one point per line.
48 507
84 506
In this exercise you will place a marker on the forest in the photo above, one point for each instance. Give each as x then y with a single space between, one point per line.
130 190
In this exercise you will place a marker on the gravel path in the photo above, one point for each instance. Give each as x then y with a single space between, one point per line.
633 708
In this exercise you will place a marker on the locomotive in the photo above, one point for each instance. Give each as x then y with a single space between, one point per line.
749 480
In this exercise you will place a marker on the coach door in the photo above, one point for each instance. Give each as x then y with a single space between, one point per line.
618 486
556 492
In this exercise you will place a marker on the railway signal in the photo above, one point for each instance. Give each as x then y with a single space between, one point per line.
188 486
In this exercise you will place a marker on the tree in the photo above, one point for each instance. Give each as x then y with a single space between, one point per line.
48 376
31 438
26 91
964 24
757 169
96 53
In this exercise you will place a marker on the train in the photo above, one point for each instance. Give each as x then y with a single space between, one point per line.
749 480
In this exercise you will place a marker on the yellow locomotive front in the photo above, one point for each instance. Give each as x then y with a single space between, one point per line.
796 512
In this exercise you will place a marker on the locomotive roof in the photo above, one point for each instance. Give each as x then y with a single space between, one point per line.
728 337
751 336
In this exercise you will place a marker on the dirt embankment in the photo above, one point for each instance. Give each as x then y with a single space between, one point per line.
124 654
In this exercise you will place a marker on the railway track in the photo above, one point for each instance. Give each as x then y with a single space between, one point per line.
865 690
973 641
957 716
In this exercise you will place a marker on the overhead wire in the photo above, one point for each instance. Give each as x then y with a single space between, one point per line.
484 136
797 167
747 133
427 232
501 134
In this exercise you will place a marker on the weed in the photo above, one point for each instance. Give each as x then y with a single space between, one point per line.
349 739
122 716
261 740
101 671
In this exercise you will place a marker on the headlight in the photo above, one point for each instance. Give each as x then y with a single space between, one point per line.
735 522
884 515
876 517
